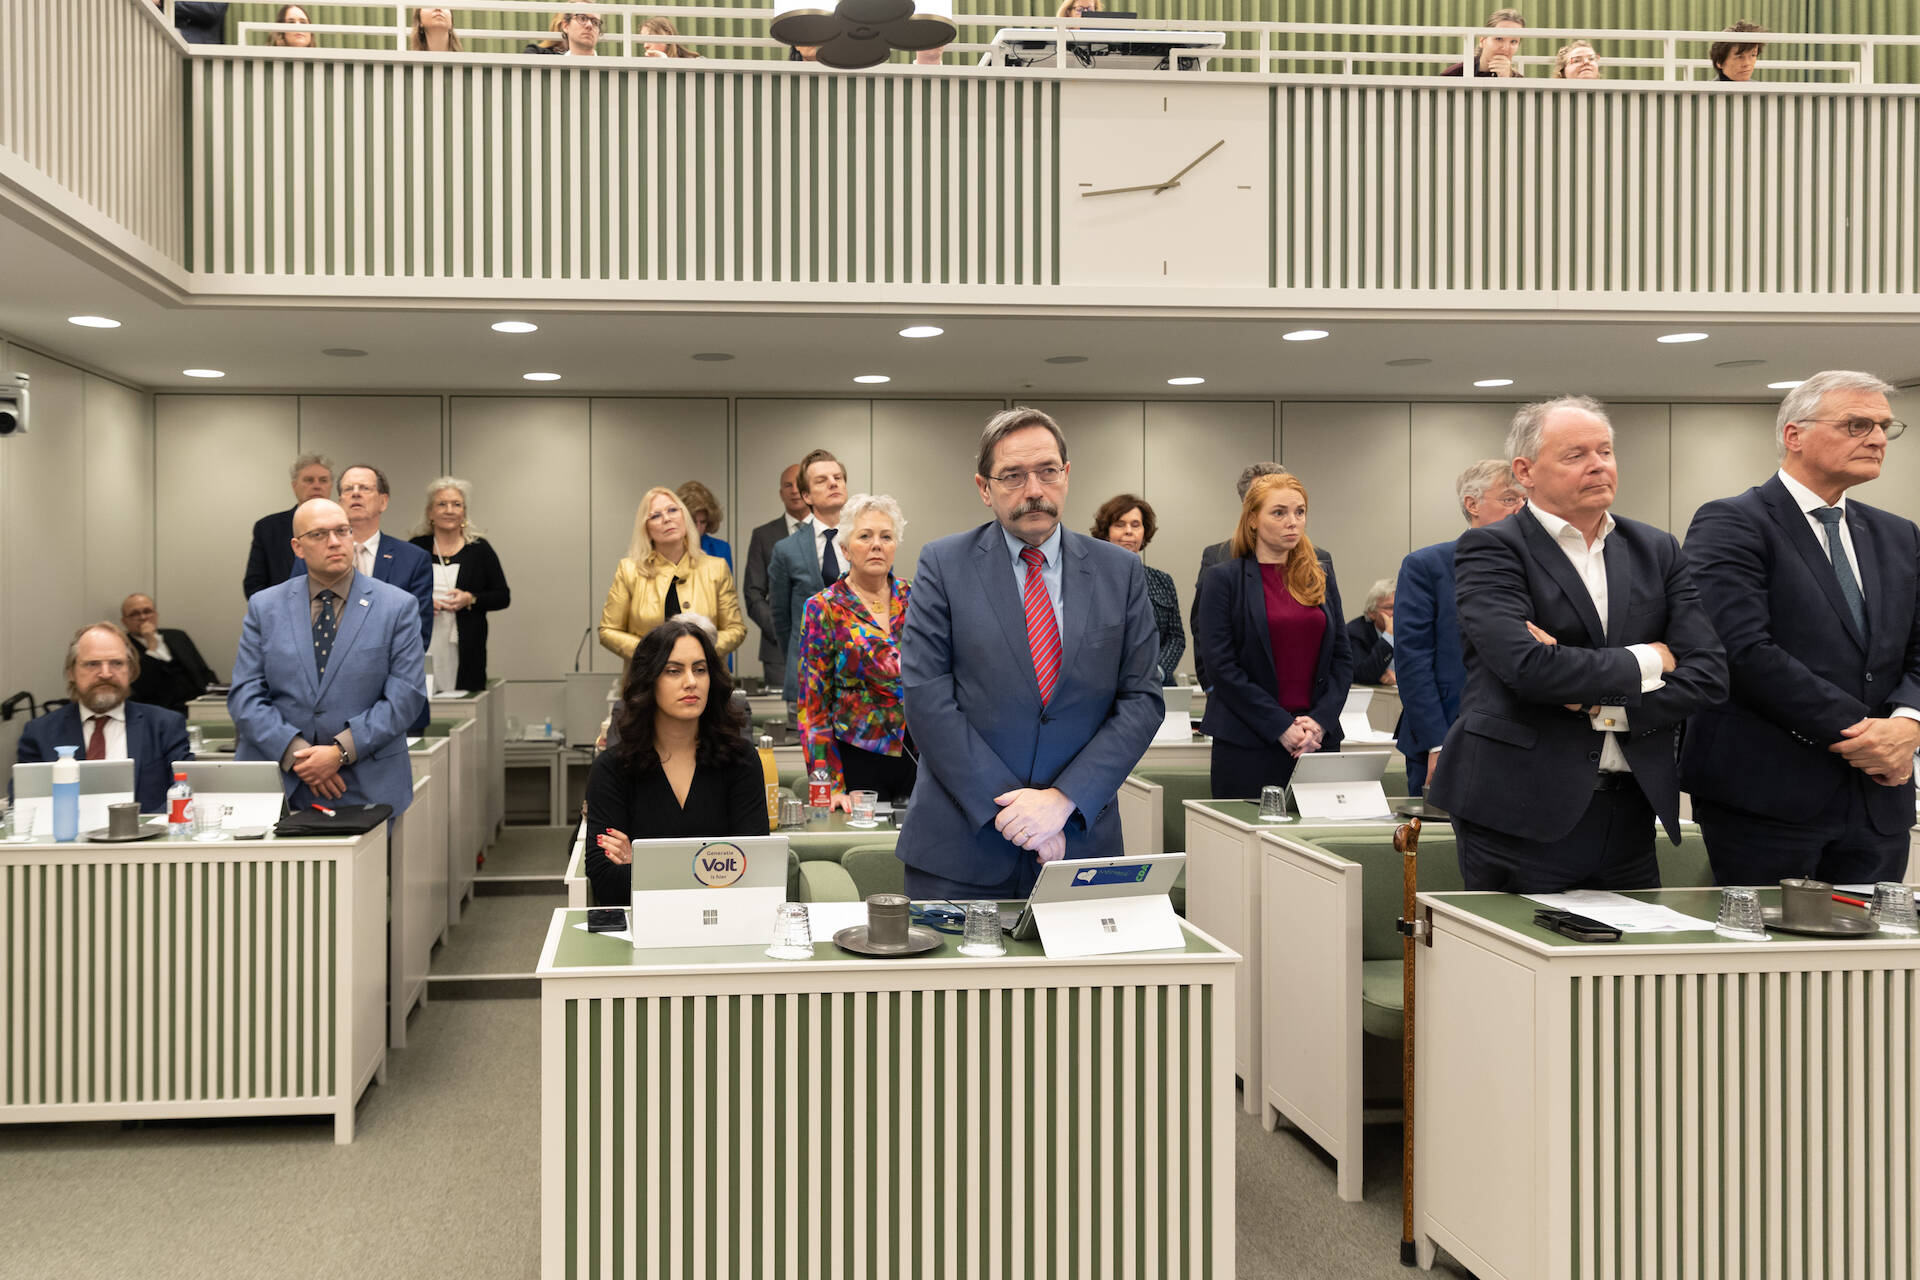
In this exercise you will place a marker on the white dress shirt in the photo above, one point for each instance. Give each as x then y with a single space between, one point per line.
1590 564
363 553
116 729
159 650
792 524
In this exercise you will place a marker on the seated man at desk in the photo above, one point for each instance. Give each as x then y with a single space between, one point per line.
101 669
172 672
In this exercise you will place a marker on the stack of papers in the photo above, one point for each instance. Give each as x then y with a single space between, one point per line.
1628 915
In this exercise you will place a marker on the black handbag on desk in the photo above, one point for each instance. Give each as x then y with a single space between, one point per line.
340 820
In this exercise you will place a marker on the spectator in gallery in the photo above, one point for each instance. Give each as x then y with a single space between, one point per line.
1577 60
1734 63
1499 53
1127 520
292 39
663 48
576 35
433 30
1077 8
199 23
704 509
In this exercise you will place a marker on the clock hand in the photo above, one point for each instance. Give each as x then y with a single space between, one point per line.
1114 191
1174 181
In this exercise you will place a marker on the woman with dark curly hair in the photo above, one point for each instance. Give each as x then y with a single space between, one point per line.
1126 520
679 767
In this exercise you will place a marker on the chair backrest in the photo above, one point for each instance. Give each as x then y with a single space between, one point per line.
875 869
1179 784
1684 866
1382 872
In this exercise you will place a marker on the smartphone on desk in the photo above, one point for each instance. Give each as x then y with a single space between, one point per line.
606 919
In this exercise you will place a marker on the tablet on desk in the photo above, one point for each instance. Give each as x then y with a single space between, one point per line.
1089 879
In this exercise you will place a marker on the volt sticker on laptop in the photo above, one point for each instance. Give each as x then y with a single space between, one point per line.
720 864
1112 875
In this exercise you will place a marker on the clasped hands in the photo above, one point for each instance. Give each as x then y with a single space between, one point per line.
1666 662
1302 736
1881 748
452 601
1035 818
319 768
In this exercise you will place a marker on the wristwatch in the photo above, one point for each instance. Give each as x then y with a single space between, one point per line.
346 756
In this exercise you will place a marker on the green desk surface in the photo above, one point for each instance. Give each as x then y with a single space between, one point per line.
1511 911
579 949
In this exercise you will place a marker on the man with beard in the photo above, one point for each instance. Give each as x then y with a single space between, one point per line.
101 669
1030 672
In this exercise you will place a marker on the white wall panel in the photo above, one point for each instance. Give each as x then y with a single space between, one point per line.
1447 439
1640 446
529 457
924 454
1356 463
119 486
399 434
1716 450
637 444
220 463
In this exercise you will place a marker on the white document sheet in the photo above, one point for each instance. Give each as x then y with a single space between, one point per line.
1629 915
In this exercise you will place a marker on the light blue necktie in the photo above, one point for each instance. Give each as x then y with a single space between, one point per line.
1843 567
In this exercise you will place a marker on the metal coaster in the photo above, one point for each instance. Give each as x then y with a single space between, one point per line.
100 836
1839 926
854 939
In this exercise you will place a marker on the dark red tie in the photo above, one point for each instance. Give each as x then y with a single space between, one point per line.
97 744
1043 633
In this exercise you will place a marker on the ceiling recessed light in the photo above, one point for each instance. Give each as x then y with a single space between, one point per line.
515 326
872 378
93 322
1408 362
1784 386
204 373
922 331
1304 335
1494 382
1066 359
343 353
1185 382
1681 337
1737 364
713 357
541 377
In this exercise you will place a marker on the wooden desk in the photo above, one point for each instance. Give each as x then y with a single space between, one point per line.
183 979
417 886
1672 1104
713 1113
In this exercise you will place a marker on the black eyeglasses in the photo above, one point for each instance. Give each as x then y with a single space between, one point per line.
1860 428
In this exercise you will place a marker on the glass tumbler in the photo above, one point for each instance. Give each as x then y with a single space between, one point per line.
863 803
1740 915
792 933
196 741
210 820
1273 804
1893 910
980 933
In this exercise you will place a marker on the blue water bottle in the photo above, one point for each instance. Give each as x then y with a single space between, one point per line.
66 796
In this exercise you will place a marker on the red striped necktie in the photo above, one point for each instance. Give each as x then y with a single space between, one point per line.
1043 633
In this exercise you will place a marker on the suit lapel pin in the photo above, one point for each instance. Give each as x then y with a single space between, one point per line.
363 602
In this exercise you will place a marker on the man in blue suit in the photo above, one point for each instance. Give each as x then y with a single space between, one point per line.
1426 640
805 560
330 673
1807 769
101 669
1030 677
364 495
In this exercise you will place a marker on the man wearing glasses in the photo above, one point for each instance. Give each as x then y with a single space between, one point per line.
1428 665
330 673
101 669
578 35
1030 672
1807 769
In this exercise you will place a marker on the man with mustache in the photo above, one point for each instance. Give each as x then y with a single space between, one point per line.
101 669
1029 668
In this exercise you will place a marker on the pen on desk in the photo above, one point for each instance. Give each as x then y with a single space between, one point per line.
323 809
1852 902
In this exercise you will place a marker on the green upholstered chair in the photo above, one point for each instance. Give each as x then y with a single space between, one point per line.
874 868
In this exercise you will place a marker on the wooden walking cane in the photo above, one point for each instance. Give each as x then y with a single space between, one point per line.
1406 840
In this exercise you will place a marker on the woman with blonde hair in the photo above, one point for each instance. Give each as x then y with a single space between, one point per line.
468 584
292 39
663 48
665 574
433 30
704 510
1274 641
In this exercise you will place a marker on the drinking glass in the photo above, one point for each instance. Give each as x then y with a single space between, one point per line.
980 933
792 934
210 820
196 741
1740 915
863 803
1893 910
1273 804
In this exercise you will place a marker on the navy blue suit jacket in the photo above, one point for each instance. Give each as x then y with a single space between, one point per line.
156 737
1243 707
1800 671
1518 761
973 702
270 559
375 685
793 578
1429 669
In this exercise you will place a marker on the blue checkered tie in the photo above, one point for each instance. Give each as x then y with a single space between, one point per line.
1842 567
323 632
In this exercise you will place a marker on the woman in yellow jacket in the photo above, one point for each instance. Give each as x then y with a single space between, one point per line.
664 574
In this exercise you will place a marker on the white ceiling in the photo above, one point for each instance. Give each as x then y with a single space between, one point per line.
277 348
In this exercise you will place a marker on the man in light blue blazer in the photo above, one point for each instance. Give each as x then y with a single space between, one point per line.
805 560
1428 663
330 673
1029 668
